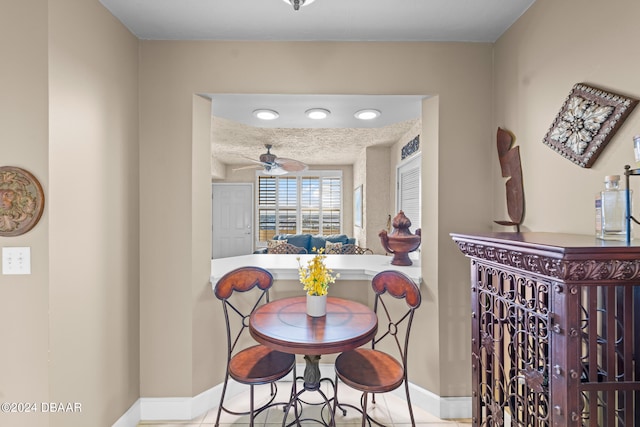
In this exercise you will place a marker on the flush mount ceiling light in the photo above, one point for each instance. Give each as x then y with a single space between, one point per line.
367 114
317 113
297 3
266 114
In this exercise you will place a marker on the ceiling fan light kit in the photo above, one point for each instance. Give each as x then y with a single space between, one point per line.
274 165
297 3
274 171
368 114
317 113
264 114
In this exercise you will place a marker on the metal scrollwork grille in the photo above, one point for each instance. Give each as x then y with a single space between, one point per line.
513 323
555 331
512 349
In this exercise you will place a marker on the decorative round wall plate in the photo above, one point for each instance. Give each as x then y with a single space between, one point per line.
21 201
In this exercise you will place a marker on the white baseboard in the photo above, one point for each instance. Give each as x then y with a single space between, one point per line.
442 407
131 417
188 408
174 408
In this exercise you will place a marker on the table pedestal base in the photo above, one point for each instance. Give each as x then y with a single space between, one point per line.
312 372
312 380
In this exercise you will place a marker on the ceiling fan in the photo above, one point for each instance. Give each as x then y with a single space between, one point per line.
274 165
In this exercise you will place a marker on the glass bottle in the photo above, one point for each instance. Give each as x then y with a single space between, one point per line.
611 221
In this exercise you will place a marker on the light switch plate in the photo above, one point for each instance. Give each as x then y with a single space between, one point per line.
16 260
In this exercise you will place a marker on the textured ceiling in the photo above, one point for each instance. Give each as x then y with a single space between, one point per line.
234 142
336 140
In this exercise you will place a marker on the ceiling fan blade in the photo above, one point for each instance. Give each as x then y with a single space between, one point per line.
246 167
256 161
273 165
290 165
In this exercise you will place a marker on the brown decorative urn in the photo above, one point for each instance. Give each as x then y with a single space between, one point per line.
400 242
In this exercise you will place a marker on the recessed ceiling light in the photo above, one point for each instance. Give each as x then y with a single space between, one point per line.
367 114
317 113
266 114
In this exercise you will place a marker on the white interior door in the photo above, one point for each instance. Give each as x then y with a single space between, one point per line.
232 210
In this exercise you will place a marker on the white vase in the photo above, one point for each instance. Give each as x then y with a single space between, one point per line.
316 305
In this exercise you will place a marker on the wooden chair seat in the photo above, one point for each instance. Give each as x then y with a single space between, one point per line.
372 371
241 291
369 370
260 365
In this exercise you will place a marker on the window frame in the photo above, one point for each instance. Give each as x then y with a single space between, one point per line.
413 163
405 168
320 174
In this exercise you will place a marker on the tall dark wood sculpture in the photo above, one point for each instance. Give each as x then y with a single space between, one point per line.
511 168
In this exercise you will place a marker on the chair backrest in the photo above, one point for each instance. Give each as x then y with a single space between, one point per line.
356 250
241 291
286 248
348 249
397 316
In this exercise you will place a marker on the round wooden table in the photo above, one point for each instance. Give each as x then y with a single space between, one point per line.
285 326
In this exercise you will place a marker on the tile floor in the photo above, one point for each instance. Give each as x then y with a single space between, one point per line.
389 410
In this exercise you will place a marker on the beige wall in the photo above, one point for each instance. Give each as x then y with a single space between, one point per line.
203 317
171 72
429 313
69 116
70 328
375 196
93 211
371 171
534 73
24 300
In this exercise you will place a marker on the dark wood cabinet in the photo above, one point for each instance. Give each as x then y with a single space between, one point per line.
555 330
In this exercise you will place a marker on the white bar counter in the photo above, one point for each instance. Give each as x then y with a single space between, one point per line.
285 267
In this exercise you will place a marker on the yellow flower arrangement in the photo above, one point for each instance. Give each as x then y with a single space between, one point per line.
316 277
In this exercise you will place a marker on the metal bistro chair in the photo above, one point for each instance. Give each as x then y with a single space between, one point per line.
375 371
351 249
256 364
286 248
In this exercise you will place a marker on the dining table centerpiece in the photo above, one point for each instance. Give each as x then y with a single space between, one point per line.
316 278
